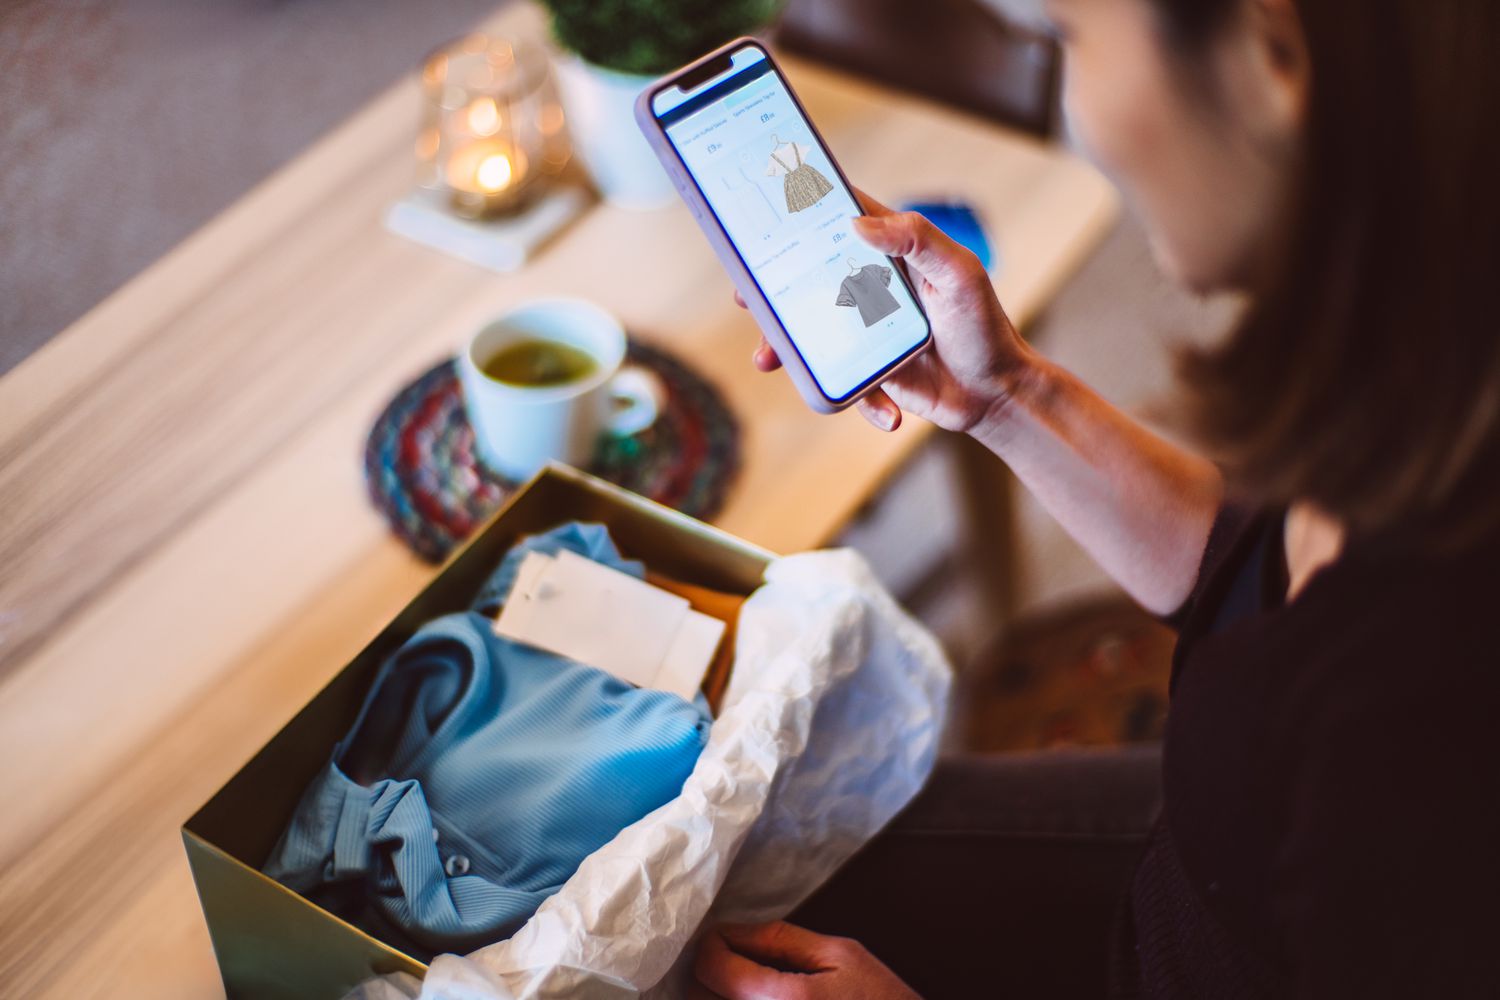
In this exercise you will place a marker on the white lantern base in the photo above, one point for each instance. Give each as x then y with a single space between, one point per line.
504 244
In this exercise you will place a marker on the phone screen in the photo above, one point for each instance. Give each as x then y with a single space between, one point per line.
785 207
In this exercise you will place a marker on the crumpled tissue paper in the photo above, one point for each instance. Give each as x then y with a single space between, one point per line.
829 727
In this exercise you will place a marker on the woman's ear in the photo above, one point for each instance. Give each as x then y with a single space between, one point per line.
1281 66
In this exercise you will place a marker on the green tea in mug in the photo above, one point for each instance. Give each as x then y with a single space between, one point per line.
539 363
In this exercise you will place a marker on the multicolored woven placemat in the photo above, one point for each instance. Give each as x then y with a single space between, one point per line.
423 475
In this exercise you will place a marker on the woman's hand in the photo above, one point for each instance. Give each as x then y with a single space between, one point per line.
777 961
976 358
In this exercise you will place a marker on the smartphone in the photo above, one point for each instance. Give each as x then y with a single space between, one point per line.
777 209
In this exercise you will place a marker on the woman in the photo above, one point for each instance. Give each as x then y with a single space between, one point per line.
1331 816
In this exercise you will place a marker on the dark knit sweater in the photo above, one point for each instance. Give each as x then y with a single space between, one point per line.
1331 808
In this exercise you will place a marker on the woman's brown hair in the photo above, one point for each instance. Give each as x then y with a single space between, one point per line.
1366 376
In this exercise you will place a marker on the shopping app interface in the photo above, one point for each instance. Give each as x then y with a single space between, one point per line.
783 205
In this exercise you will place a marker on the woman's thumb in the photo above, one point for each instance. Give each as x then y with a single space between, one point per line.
925 248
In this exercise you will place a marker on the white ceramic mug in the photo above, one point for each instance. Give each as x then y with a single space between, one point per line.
519 428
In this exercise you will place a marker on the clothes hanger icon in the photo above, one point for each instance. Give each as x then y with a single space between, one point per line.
853 267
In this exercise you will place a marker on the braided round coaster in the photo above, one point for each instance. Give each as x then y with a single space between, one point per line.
424 477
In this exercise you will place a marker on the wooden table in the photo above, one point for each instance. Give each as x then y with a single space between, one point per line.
186 553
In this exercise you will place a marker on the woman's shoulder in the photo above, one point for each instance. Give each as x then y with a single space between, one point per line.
1389 771
1415 610
1387 650
1407 640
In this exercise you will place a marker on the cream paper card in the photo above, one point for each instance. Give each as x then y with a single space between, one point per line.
585 611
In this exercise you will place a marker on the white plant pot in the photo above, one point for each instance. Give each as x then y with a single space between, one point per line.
600 105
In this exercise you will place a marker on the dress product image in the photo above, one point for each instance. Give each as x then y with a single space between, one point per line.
867 289
804 185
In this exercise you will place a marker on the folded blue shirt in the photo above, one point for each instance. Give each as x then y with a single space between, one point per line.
479 773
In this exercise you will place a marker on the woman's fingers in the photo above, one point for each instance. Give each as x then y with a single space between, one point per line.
765 357
730 974
880 410
908 235
697 991
925 248
783 945
871 206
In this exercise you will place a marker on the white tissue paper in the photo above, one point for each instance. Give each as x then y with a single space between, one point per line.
829 727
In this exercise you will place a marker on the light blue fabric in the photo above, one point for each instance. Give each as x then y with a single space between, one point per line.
522 762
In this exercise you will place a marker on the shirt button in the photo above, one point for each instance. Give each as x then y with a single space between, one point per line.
456 865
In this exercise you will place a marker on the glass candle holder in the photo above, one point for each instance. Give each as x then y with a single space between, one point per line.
492 131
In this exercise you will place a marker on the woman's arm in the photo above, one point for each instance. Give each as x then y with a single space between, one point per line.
1140 506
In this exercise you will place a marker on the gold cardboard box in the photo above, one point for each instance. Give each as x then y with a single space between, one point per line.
269 941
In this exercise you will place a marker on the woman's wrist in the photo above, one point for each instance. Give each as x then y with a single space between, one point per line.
1019 392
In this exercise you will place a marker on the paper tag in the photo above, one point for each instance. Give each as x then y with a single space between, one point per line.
588 612
689 656
518 603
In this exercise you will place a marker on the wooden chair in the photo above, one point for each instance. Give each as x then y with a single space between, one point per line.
961 52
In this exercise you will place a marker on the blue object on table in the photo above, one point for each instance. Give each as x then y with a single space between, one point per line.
479 774
959 220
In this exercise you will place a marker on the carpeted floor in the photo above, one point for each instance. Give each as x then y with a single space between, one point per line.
127 124
1093 673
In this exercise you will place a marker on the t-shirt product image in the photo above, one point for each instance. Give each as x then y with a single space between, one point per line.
868 289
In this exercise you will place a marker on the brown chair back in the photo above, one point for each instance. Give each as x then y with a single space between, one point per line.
958 51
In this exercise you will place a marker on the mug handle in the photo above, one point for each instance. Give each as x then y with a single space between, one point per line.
637 395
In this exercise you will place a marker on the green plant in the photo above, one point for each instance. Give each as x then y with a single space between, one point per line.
653 36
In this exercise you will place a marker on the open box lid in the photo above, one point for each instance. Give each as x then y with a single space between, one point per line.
272 942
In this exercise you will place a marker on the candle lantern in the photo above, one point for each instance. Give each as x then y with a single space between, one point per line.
492 132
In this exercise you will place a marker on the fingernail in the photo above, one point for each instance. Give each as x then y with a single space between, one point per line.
888 419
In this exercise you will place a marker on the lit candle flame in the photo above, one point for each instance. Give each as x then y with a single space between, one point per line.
494 172
484 116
